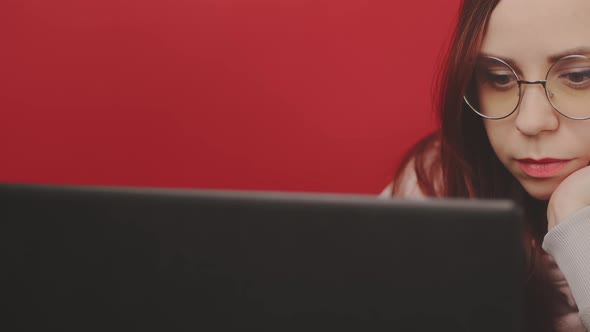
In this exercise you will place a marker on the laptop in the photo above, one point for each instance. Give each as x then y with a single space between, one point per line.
134 259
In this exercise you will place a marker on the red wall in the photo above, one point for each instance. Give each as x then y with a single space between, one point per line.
310 95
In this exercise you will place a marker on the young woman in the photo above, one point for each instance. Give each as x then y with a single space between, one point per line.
514 112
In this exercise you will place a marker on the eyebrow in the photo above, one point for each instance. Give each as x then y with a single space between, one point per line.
550 59
574 51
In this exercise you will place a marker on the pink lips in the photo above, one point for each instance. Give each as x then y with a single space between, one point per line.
542 168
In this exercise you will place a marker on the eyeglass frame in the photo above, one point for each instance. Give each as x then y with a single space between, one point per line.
520 90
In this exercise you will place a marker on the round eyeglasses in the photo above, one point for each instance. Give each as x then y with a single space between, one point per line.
495 90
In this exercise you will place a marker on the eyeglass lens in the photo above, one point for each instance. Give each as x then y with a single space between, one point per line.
494 91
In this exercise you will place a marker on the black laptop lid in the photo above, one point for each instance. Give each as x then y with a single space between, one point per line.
172 260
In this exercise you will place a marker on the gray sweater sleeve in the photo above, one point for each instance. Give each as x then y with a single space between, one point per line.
569 244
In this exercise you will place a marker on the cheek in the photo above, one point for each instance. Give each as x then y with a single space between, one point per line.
499 136
584 137
577 138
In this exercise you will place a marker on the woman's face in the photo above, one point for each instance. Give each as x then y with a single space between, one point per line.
529 33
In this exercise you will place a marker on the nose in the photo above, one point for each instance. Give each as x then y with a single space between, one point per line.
535 113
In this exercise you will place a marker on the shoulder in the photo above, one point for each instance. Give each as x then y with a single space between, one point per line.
419 174
406 184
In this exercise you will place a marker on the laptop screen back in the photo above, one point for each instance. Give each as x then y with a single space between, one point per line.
84 258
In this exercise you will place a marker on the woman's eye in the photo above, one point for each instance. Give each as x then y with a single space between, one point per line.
578 77
501 80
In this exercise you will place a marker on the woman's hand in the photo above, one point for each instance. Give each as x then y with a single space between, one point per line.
571 195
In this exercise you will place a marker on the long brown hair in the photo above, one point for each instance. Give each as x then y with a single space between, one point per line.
465 161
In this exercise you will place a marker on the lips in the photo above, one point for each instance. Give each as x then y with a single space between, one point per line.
542 168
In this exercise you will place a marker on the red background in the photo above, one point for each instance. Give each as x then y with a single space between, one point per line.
298 95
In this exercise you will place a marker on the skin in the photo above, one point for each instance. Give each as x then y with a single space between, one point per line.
528 32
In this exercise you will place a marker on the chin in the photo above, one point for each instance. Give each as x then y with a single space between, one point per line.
542 196
539 190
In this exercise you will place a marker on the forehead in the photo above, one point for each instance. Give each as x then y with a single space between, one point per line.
529 31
